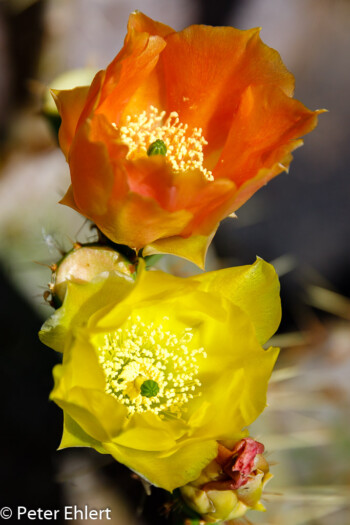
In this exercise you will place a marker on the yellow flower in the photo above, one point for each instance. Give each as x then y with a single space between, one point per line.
231 484
155 372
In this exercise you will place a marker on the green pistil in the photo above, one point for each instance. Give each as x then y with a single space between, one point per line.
157 147
149 388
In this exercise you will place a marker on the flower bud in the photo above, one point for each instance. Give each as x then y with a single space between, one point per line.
83 264
231 484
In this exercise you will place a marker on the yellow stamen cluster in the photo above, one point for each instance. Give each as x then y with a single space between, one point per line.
137 353
184 146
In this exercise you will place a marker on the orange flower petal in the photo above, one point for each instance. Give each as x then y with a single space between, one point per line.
152 177
132 65
68 199
70 104
143 24
92 174
206 69
210 206
93 97
207 203
262 135
151 91
139 221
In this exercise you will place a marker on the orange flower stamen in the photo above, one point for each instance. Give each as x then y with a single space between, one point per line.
184 146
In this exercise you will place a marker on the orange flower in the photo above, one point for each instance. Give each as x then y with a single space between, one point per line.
217 98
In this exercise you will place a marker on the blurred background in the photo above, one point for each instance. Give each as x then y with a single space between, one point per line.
300 222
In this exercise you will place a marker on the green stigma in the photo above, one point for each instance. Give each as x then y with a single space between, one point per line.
149 388
157 147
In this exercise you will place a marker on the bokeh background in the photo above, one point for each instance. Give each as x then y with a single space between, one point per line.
300 222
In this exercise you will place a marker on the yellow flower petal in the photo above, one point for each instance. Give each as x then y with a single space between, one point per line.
179 467
192 248
80 302
74 436
253 288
